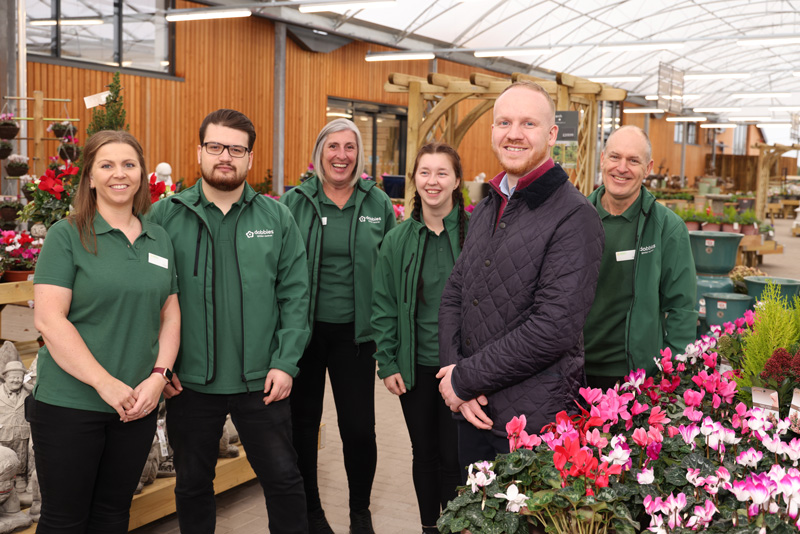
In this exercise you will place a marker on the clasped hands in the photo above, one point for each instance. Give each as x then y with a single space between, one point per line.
471 409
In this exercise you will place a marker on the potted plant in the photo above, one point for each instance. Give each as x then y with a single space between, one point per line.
51 196
691 217
9 211
17 165
730 220
61 129
5 148
749 222
8 126
19 252
69 149
711 221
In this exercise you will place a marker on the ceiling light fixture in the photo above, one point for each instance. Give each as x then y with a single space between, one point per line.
715 75
716 110
761 95
686 119
342 115
207 14
394 56
318 8
643 110
65 22
718 125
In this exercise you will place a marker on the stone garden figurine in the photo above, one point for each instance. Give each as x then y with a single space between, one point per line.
11 517
14 429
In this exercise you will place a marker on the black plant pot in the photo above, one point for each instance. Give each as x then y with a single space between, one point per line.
8 131
16 169
62 130
69 152
5 152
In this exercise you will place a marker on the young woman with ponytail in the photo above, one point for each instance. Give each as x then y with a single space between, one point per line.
414 262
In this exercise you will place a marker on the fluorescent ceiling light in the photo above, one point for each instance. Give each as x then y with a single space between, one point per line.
651 97
66 22
164 63
768 41
643 110
748 119
615 79
761 95
342 115
126 63
510 52
686 119
317 8
767 124
715 75
207 14
784 108
400 56
718 125
642 47
716 110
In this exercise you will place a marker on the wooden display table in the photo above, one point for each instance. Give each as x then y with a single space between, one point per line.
788 207
158 499
752 250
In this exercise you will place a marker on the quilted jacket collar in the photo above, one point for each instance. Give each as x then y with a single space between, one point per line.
542 188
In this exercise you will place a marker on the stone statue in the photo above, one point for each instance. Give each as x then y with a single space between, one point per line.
11 517
15 432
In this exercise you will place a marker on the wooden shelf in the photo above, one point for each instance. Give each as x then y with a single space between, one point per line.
157 500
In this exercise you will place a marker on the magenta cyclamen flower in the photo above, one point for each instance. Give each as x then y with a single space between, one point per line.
703 515
689 433
749 458
693 398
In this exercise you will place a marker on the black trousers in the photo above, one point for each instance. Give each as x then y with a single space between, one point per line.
434 443
194 424
476 445
88 464
352 372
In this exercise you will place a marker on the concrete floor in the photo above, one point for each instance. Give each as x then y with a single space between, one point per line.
242 510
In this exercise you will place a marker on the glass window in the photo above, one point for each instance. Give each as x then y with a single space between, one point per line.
134 35
678 132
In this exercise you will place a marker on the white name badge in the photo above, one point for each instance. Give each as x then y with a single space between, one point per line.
158 260
324 221
626 255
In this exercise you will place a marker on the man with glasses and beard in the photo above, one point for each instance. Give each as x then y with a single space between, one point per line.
243 285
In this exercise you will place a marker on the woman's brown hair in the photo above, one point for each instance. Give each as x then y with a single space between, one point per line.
85 205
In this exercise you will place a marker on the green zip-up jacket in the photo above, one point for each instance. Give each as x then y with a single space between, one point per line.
274 285
394 299
662 312
372 220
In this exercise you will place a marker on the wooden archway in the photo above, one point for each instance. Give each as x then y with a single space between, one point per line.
768 156
433 111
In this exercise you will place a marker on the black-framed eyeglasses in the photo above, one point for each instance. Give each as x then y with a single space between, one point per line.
236 151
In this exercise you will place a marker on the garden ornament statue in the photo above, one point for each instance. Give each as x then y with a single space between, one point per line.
14 429
11 517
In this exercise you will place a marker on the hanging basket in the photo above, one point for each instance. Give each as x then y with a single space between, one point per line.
8 131
62 130
16 169
28 194
69 152
5 152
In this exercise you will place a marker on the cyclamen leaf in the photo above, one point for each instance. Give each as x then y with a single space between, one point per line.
676 476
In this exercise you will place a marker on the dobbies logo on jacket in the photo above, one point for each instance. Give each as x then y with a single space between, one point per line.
259 233
648 249
367 218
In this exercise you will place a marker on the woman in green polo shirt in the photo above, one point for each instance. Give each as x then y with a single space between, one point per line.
413 265
107 307
343 220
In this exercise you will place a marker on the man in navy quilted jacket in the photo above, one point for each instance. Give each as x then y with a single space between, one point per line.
512 312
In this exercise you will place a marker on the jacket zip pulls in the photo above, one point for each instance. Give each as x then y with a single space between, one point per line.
202 223
313 278
241 286
412 323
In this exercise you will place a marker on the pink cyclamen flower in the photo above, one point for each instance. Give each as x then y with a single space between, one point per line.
640 437
750 457
693 398
594 439
591 395
689 433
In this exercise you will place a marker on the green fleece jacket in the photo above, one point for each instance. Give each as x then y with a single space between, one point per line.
662 311
394 299
274 284
374 217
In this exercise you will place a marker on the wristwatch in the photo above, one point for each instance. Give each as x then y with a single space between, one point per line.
164 372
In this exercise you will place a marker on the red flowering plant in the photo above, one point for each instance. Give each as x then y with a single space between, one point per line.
52 195
159 190
19 251
675 452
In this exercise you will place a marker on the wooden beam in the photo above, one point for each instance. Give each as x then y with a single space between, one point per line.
16 292
519 76
566 79
468 120
416 113
586 87
484 80
444 80
612 94
438 111
399 78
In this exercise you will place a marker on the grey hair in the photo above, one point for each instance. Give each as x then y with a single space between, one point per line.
649 154
338 125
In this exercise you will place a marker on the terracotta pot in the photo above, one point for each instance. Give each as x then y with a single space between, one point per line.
750 229
692 225
729 227
69 152
5 152
711 227
8 131
17 169
16 276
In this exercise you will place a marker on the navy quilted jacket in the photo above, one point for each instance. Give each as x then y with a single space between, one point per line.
512 312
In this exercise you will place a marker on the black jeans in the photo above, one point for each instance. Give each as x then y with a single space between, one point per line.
88 464
434 443
194 424
476 445
352 372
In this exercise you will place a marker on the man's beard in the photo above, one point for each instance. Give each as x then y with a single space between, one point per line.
223 183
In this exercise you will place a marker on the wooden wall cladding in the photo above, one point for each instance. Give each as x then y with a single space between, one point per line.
229 63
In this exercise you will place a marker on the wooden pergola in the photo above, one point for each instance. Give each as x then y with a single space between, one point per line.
768 156
433 111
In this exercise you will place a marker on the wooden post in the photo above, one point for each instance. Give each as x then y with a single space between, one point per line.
415 116
39 164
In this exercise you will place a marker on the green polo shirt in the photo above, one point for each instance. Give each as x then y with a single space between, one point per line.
335 292
117 296
604 332
227 303
437 264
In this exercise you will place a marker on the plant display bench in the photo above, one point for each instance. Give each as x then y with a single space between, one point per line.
753 255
